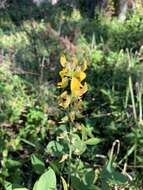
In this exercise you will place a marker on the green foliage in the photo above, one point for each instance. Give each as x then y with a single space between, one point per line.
115 34
35 133
47 181
37 164
13 96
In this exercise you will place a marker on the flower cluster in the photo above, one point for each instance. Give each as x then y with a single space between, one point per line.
72 75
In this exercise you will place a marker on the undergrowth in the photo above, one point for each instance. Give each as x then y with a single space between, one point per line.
57 142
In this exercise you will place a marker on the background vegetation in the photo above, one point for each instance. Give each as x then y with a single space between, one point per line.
103 150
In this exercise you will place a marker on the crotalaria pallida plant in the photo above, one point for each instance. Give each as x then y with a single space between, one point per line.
72 80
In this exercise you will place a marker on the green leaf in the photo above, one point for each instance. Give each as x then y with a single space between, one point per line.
130 151
93 141
93 187
77 184
37 164
78 146
55 165
13 163
89 177
22 188
35 186
118 178
47 181
7 185
110 176
54 148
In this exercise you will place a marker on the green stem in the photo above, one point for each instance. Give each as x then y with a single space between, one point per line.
70 158
127 96
131 87
132 97
70 151
140 105
135 156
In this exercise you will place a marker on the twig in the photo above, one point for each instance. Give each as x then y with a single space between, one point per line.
116 142
3 4
42 71
22 72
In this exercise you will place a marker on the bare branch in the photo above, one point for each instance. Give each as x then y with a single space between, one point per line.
3 4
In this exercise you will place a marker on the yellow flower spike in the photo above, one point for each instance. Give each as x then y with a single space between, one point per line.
63 60
77 88
63 83
64 100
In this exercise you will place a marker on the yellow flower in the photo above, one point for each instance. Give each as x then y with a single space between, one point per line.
63 83
77 88
64 100
63 60
80 75
63 73
72 72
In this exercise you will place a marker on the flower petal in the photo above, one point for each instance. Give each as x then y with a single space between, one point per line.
77 88
63 73
80 75
63 83
63 60
64 100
